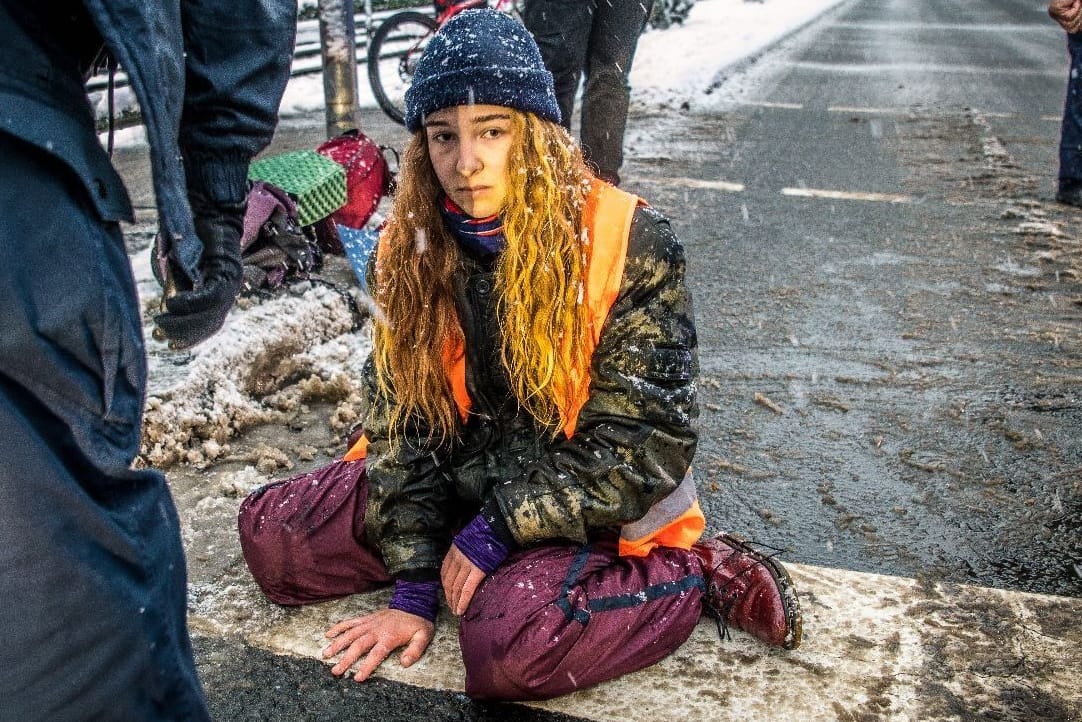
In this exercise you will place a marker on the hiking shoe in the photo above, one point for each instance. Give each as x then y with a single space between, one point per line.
750 591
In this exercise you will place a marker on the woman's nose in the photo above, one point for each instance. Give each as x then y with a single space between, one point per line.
468 160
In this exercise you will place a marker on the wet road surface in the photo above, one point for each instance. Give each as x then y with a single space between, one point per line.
891 364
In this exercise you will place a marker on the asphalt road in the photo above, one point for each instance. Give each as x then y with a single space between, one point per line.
917 357
889 332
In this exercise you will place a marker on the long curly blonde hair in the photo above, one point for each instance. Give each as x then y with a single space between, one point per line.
539 281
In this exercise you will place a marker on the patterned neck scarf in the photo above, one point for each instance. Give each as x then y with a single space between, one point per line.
481 236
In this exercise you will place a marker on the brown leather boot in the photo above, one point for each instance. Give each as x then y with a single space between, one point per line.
750 591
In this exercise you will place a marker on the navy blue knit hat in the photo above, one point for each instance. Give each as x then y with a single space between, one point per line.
481 57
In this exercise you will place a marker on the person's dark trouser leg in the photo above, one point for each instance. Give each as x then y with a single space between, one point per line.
613 39
562 31
94 617
1070 147
558 618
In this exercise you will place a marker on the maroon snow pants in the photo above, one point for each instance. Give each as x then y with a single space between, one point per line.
551 619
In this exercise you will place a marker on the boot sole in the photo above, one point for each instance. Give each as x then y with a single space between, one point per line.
794 620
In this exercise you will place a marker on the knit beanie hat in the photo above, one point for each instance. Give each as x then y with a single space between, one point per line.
481 57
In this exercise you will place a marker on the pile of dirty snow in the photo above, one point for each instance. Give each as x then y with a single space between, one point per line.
305 342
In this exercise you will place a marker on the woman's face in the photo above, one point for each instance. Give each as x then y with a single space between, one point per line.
469 146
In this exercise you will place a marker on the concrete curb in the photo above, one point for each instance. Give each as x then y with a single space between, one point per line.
875 647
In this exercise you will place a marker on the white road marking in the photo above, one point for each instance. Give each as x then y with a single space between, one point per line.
846 195
1052 118
730 187
718 185
769 104
868 111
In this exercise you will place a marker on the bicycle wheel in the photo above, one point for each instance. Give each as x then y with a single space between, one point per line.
393 52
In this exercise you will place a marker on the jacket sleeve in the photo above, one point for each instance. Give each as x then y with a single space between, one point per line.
409 515
237 62
634 439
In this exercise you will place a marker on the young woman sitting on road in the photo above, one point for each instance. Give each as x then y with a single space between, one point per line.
529 436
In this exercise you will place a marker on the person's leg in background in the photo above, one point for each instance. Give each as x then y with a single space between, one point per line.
562 31
1069 188
615 35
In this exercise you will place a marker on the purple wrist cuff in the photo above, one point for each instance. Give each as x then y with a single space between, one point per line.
481 545
420 598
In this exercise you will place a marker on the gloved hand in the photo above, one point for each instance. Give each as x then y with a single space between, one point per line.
193 315
1068 13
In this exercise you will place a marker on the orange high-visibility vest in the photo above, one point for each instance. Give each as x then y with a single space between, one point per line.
676 520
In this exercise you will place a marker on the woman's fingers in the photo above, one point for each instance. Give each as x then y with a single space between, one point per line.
417 646
375 658
449 573
341 642
469 587
355 634
348 624
354 651
460 578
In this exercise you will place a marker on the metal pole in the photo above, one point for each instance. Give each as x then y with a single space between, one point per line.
369 26
339 49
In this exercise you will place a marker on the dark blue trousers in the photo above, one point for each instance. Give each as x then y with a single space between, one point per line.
595 40
93 617
1070 143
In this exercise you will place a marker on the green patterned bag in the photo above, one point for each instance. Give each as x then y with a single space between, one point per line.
317 183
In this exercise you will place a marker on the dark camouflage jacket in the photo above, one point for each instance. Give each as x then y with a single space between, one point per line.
633 444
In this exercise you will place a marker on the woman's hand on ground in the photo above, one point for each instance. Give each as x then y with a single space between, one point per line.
377 635
460 578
